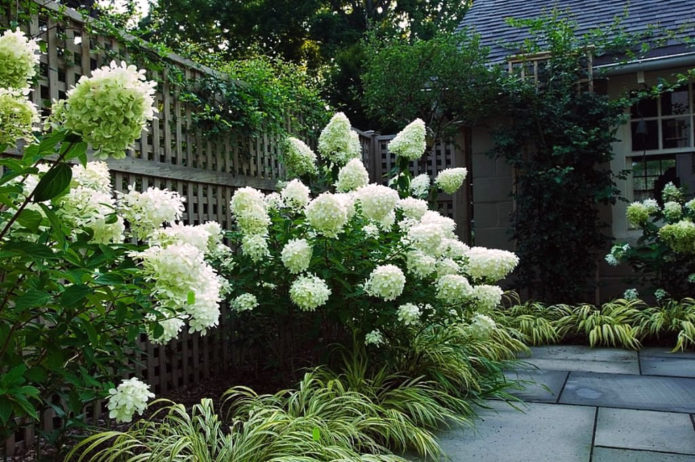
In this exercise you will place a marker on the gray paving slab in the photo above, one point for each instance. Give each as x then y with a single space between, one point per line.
583 358
672 394
538 385
543 432
626 455
646 430
660 352
673 367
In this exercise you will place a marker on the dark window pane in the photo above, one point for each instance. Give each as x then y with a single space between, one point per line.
676 132
675 103
645 108
645 135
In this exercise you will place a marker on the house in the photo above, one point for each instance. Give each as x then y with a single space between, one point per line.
657 142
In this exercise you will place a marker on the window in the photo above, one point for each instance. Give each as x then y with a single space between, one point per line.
661 131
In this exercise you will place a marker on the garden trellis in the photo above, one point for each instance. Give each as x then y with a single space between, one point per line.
177 154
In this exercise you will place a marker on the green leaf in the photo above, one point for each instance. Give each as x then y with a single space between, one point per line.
78 151
316 434
27 249
30 219
32 298
56 224
53 183
191 298
74 294
109 279
5 410
14 377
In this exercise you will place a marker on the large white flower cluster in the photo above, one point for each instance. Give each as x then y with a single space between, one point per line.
427 238
672 211
420 264
249 208
244 302
352 176
377 201
410 142
375 338
386 281
184 285
309 292
197 236
490 265
110 109
296 255
18 117
420 185
295 194
95 175
451 179
481 326
19 57
129 397
299 158
338 142
327 214
446 224
453 289
487 296
412 207
255 246
409 314
148 210
85 208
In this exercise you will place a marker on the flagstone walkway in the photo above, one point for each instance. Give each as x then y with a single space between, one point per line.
589 405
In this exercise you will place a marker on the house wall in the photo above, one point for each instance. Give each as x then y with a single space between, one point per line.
493 184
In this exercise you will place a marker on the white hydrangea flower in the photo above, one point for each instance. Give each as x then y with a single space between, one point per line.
637 214
453 289
352 176
489 264
129 397
690 205
348 200
295 194
296 255
375 338
631 294
651 205
95 175
327 214
481 326
671 193
110 109
148 210
388 221
420 264
447 266
215 236
309 292
249 209
385 281
18 117
409 314
412 207
487 296
420 185
273 201
672 211
445 223
426 238
410 142
246 198
453 248
371 230
299 157
244 302
183 283
406 223
255 246
86 208
377 201
451 179
19 57
171 328
177 233
337 142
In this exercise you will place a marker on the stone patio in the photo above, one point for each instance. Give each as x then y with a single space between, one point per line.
590 405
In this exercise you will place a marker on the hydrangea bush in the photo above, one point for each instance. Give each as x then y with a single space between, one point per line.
664 254
76 291
365 259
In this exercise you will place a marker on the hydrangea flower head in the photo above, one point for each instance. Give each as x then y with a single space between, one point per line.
420 264
410 142
129 397
249 209
446 224
453 289
299 157
296 255
309 292
671 193
386 282
255 246
244 302
171 328
490 264
420 185
637 214
18 117
447 266
680 236
337 142
19 57
177 233
110 109
451 179
295 194
150 209
327 214
409 314
375 338
672 211
487 297
412 207
377 201
652 206
427 238
352 176
481 326
631 294
95 176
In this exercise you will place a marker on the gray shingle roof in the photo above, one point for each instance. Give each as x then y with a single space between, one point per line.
487 17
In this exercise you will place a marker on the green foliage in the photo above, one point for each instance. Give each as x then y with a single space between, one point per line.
675 318
444 80
614 324
535 322
663 254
